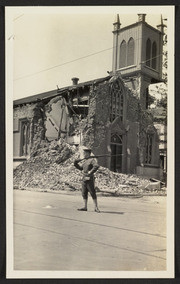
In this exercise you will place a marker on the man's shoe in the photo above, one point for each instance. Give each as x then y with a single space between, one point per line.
97 210
82 209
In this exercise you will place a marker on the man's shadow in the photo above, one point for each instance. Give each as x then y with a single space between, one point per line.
112 212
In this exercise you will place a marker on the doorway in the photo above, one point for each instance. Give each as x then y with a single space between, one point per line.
116 153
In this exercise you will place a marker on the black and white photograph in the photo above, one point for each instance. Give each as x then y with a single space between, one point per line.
90 135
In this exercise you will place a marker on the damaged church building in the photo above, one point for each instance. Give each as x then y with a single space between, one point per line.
108 114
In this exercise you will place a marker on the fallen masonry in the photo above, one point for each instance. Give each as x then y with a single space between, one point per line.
51 165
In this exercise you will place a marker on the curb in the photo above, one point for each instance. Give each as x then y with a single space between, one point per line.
100 193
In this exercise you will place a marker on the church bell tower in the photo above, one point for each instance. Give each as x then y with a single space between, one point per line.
137 55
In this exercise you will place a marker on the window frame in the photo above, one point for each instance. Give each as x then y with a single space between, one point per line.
124 57
149 148
116 161
128 49
148 52
117 101
154 56
151 58
24 121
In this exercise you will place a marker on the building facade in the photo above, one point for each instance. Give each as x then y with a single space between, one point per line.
104 114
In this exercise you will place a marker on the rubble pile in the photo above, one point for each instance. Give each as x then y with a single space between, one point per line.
47 167
109 181
51 166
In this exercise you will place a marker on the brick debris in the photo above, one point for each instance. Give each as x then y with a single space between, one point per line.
51 166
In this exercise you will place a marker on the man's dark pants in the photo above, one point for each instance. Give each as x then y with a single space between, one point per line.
88 186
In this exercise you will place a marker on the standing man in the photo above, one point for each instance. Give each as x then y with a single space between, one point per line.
88 169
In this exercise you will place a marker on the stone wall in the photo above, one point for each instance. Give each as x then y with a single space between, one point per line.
132 142
19 113
95 128
94 125
133 106
39 123
136 114
35 114
24 111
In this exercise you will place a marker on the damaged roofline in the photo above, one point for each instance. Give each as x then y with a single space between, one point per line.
57 92
35 98
84 84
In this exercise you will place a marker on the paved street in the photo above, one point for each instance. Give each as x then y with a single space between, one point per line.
50 234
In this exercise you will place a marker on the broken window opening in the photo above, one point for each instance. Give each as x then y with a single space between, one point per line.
81 111
83 103
81 106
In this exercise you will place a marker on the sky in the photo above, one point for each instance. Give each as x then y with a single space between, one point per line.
53 45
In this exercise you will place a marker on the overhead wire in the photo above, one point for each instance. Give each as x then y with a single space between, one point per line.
74 60
30 75
151 59
58 65
68 62
77 59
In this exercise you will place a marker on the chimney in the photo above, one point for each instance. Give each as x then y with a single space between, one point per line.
141 18
75 81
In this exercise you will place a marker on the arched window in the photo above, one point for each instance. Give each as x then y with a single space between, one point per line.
148 52
122 61
130 52
154 54
117 139
117 101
